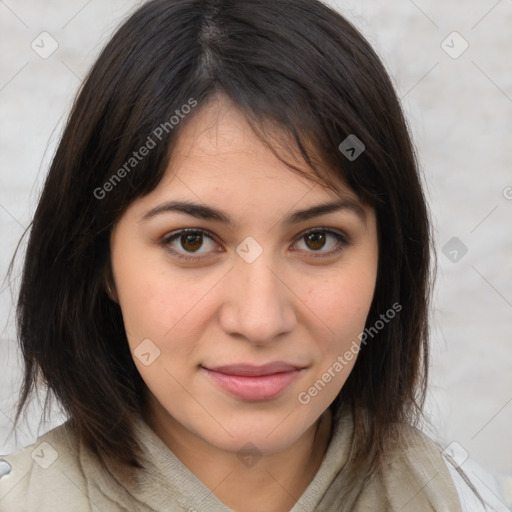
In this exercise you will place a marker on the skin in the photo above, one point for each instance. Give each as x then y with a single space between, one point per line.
289 304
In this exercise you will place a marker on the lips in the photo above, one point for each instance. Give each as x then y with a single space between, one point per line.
254 383
247 370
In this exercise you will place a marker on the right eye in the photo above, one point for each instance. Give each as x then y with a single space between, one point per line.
190 241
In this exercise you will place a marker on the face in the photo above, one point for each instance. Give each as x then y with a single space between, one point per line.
240 308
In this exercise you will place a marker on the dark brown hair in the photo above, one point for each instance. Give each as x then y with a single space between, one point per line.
295 65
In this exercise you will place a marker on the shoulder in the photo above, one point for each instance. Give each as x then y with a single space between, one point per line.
476 488
484 483
415 474
45 476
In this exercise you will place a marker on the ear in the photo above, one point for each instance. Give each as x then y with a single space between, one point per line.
109 284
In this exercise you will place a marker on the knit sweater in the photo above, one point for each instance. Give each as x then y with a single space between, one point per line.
59 474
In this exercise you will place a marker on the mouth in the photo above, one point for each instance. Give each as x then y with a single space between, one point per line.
254 383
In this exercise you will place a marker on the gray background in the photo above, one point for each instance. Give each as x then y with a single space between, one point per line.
460 113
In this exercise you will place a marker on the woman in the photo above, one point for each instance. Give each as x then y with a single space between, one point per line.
227 278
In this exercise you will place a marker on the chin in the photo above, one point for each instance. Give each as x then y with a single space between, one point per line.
268 434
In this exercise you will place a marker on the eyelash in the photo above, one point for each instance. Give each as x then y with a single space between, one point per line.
341 239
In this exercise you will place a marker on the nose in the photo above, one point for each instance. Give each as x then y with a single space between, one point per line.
258 304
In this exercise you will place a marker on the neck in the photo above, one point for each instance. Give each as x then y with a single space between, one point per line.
272 483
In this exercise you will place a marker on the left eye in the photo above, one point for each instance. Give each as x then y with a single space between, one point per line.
192 240
316 240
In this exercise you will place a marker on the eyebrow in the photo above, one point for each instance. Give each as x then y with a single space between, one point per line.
208 213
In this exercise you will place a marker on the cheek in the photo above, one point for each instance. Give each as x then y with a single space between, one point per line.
165 321
156 301
343 304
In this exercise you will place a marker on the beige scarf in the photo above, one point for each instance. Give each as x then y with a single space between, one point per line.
415 479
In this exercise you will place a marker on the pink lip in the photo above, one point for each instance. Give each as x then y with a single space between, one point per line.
254 383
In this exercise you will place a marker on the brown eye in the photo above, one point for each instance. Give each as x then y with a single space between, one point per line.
318 239
189 241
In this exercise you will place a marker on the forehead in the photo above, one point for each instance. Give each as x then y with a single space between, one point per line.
217 145
218 134
220 170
